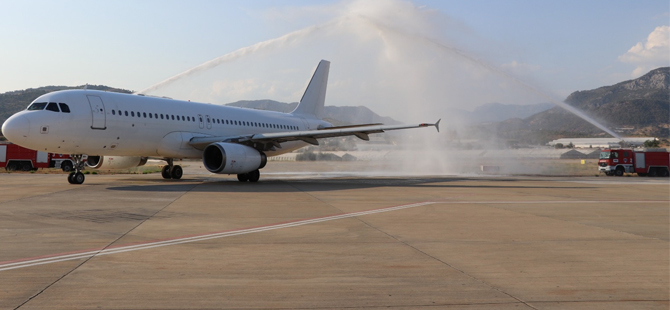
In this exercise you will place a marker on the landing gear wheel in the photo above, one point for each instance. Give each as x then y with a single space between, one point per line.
176 172
166 172
663 173
243 177
618 172
254 176
76 178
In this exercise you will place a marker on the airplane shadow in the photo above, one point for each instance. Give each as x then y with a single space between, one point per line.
337 184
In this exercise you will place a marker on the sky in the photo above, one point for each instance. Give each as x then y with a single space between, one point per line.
430 55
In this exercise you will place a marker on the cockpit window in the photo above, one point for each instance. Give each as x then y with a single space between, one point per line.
64 108
37 106
52 106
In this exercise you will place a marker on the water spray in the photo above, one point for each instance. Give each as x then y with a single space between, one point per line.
382 27
240 53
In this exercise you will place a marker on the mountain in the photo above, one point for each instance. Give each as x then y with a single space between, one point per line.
15 101
642 106
497 112
336 115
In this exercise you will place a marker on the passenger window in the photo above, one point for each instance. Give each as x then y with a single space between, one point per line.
150 115
113 112
126 113
37 106
144 114
64 108
132 114
53 107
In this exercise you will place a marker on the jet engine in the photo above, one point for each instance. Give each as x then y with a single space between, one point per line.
115 162
232 158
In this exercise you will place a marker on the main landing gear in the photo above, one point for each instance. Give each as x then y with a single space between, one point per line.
252 176
76 177
171 171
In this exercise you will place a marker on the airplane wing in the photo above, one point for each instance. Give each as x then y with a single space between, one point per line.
309 136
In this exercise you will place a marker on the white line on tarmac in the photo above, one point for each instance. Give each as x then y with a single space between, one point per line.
16 264
143 246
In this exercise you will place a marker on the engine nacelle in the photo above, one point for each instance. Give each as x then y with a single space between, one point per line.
115 162
232 158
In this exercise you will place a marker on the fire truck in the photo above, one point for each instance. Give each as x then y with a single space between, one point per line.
14 157
644 162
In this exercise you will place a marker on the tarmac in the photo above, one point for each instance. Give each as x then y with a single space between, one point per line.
318 240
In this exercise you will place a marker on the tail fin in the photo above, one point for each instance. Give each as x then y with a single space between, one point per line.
311 104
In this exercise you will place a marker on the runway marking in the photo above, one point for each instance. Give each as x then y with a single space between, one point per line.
48 259
143 246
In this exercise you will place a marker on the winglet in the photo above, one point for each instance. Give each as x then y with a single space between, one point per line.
436 125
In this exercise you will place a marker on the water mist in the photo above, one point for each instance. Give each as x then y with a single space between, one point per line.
384 54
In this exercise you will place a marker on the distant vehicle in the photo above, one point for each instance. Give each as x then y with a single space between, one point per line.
14 157
644 162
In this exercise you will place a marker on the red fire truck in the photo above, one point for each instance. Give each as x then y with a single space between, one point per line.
644 162
14 157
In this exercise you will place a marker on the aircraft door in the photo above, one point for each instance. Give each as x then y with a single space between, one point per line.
97 112
209 122
202 122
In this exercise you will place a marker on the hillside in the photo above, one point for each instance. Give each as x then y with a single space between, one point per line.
642 104
336 115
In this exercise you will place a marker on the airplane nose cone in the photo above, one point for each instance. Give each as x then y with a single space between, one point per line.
16 128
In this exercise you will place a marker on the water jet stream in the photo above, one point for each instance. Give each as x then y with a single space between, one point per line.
382 27
240 53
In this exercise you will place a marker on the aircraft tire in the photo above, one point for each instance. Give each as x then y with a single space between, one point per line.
177 172
78 178
70 177
254 176
165 172
243 177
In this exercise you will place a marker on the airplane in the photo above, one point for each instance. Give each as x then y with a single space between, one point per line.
121 131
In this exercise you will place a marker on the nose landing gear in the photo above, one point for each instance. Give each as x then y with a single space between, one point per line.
76 177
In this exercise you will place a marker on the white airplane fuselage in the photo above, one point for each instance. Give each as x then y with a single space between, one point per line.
116 124
120 131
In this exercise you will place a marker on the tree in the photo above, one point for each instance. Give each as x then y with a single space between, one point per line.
558 145
570 146
652 143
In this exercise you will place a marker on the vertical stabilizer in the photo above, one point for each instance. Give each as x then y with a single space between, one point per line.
311 104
